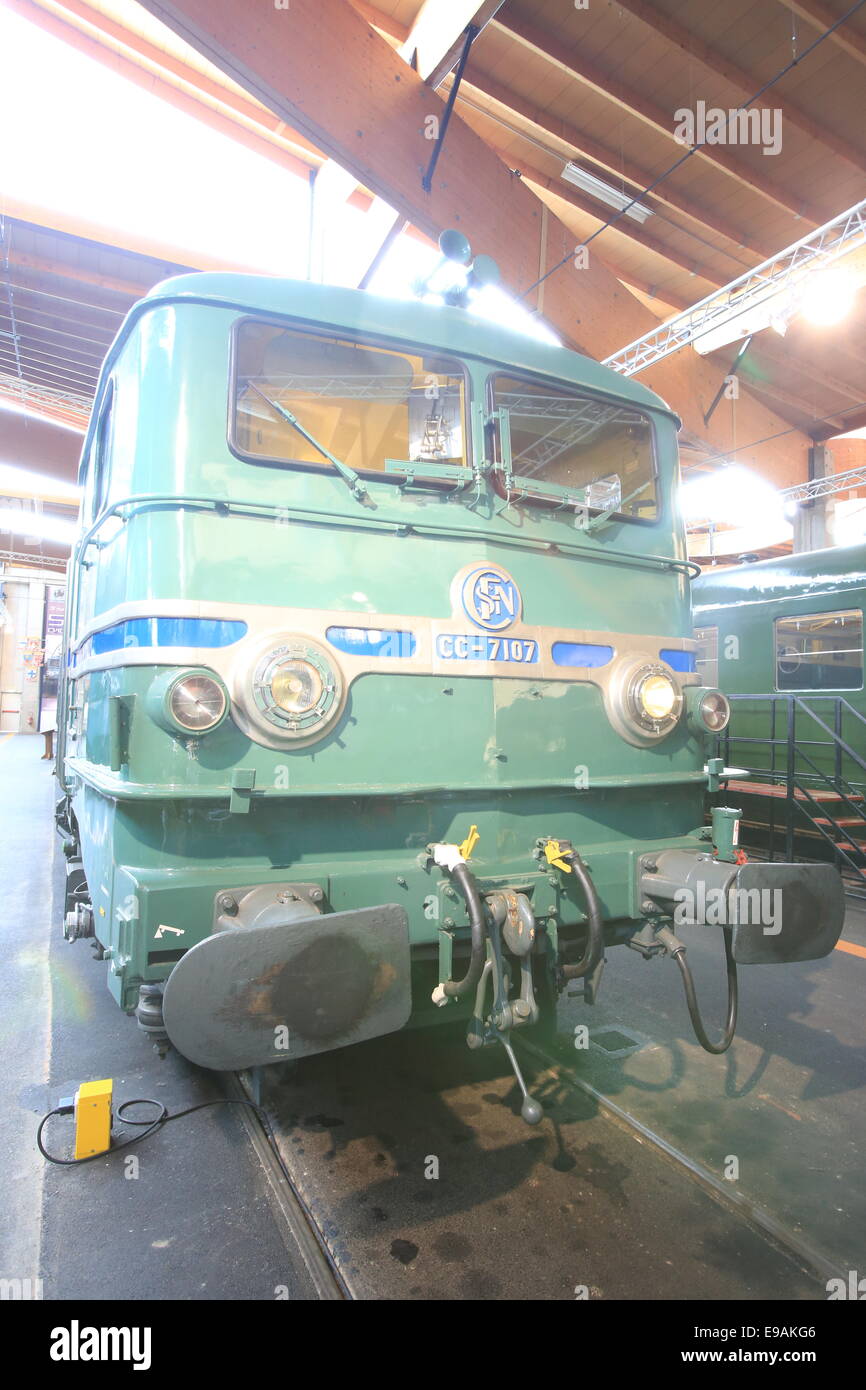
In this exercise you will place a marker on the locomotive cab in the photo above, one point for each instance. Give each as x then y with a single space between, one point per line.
381 700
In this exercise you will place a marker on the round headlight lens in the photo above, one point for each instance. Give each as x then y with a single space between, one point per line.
197 703
714 711
296 687
652 699
657 695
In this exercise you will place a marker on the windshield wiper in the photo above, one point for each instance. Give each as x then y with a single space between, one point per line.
348 474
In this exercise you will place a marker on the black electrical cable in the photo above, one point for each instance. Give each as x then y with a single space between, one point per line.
694 149
149 1126
679 955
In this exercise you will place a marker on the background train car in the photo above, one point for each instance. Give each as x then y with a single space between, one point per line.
784 639
381 688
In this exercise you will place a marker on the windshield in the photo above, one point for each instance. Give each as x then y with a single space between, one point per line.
363 405
596 452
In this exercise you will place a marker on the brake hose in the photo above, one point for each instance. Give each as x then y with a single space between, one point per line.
594 925
678 951
463 877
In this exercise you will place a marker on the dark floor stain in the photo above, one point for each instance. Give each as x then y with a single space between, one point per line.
379 1158
404 1251
501 1208
452 1247
379 1214
324 1121
477 1283
466 1107
492 1098
425 1195
332 1153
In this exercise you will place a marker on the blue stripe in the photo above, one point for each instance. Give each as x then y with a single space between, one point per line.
163 632
371 641
581 654
677 660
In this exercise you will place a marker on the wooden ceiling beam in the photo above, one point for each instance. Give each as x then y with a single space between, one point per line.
633 230
635 104
774 353
620 167
680 37
580 143
822 16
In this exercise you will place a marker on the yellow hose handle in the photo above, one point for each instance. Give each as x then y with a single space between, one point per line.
553 853
470 842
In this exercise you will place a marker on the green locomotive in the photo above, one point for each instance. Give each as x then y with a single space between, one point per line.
784 639
380 702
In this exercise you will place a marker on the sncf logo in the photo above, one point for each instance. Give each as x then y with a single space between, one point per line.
490 597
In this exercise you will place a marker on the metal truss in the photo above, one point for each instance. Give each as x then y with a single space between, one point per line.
836 238
71 404
825 487
23 557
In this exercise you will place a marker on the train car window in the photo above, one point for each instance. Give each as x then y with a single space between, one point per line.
820 651
365 404
707 658
599 453
101 453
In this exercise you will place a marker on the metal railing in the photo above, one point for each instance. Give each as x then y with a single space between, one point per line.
793 721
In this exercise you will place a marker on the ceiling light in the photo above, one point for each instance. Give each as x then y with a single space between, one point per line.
19 522
605 192
826 297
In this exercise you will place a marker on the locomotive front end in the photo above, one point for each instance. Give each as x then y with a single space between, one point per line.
383 705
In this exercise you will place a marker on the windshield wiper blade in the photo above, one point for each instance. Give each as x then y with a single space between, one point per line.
348 474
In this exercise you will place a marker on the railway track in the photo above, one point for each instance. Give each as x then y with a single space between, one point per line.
297 1221
593 1201
811 1260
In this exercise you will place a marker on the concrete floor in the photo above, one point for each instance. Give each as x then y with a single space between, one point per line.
513 1212
195 1223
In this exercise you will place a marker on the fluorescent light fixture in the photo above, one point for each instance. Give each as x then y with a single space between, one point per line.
605 192
22 482
44 528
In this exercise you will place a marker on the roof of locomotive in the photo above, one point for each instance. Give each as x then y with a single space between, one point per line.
808 572
438 326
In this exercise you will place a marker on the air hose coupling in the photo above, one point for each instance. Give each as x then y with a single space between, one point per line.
450 858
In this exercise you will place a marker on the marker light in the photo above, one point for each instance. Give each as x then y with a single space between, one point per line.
197 702
714 711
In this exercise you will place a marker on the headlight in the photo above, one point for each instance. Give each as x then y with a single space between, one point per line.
654 699
657 696
296 692
188 702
